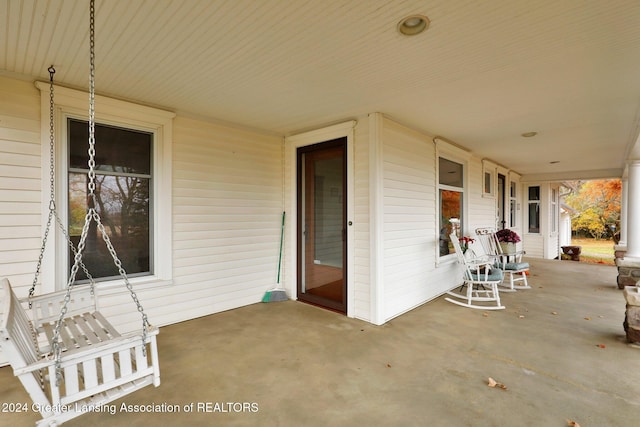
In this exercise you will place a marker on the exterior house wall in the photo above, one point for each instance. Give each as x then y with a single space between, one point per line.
484 206
229 188
359 290
552 249
408 217
361 228
20 181
410 269
544 244
227 204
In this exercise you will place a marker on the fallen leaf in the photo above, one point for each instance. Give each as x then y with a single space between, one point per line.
572 423
587 318
601 346
485 314
388 365
494 384
554 313
521 317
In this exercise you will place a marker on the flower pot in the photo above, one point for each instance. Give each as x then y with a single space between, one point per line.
508 247
572 252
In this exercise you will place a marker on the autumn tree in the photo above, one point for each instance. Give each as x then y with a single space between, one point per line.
597 207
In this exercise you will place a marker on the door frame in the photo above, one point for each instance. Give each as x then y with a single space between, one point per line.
501 201
292 143
303 174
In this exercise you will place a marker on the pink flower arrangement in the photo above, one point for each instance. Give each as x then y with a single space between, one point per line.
465 242
507 236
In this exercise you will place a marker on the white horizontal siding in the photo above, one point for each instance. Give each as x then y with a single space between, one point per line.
362 246
227 205
20 177
20 193
408 206
482 209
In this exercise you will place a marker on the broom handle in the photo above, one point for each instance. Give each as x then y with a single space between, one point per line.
280 254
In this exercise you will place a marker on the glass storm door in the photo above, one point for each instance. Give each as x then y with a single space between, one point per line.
322 244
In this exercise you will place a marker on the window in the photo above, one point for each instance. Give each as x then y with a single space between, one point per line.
123 193
534 209
451 192
554 210
133 187
488 178
513 197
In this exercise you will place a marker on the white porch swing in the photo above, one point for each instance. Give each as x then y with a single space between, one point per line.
86 363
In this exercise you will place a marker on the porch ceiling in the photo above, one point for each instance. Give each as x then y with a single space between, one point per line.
481 75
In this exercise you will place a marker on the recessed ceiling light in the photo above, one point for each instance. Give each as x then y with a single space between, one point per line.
529 134
412 25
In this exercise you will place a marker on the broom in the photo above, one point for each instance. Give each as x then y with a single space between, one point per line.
277 293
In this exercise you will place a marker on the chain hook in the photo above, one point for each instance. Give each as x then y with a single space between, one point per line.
52 71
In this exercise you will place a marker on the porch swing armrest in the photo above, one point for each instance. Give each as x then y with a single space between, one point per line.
82 354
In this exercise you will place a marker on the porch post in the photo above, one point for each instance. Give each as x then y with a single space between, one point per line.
633 212
623 212
629 266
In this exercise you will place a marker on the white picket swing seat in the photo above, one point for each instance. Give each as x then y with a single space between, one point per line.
511 264
480 281
68 356
96 365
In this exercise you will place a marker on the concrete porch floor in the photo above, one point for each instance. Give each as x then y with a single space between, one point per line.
301 365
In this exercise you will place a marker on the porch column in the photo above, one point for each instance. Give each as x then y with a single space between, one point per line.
629 266
623 212
633 212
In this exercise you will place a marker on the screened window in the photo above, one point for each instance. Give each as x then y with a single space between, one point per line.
123 197
451 192
534 209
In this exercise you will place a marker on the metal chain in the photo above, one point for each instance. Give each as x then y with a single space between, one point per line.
52 203
92 214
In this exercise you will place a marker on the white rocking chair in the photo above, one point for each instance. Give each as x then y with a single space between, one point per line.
480 278
96 366
511 264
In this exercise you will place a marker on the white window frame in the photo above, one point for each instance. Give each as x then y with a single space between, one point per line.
554 210
71 103
539 204
457 155
488 172
513 202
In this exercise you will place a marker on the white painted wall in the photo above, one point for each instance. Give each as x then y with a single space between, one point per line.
20 181
544 244
409 269
230 187
409 220
361 223
227 204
